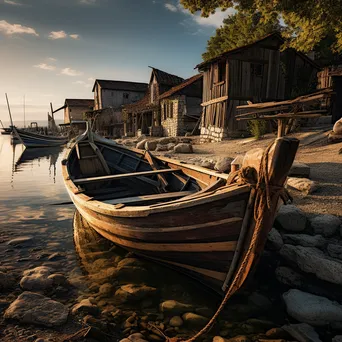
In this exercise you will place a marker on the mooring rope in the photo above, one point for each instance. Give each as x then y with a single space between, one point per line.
262 204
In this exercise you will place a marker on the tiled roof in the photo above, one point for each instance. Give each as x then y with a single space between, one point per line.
164 78
122 85
79 102
181 86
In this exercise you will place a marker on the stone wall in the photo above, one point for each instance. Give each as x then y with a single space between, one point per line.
174 126
213 134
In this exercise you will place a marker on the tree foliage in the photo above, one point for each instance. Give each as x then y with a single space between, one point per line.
240 29
308 22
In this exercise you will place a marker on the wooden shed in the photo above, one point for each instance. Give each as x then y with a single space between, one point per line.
257 72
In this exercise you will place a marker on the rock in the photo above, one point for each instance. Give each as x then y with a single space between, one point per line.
185 140
137 337
274 240
291 218
312 309
208 164
23 240
173 307
277 333
141 144
193 320
130 292
240 338
334 138
183 148
327 225
302 184
299 170
55 256
223 164
85 307
7 281
305 240
260 301
219 339
167 140
141 137
337 129
37 279
289 277
150 145
204 311
106 290
161 148
34 308
312 260
176 321
130 262
58 279
337 338
302 332
171 146
335 251
260 324
129 274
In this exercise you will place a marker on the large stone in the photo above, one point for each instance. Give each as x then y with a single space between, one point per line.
338 127
131 262
288 276
193 320
129 274
305 240
302 184
137 337
223 164
176 321
260 301
327 225
335 251
131 293
33 308
150 145
337 338
302 332
291 218
183 148
85 307
299 170
7 281
334 138
161 148
170 147
141 144
167 140
312 309
312 260
22 240
172 307
274 240
37 279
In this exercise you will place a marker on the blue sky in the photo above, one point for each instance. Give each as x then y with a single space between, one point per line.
52 50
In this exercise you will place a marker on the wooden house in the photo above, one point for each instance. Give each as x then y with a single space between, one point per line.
257 72
75 108
109 97
170 107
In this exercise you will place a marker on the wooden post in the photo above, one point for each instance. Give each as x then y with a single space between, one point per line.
281 128
9 110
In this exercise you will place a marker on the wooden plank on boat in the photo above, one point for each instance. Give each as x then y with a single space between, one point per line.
124 175
162 179
148 198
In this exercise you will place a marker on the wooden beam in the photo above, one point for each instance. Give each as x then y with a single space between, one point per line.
283 116
155 166
217 100
124 175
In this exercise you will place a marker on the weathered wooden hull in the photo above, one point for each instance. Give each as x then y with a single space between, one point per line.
30 139
206 235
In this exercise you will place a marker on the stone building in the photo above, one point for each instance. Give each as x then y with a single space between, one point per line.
170 107
75 108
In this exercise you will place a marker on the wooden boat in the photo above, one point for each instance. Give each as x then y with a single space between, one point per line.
211 226
6 131
30 139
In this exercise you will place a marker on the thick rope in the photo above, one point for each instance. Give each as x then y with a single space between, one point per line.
262 203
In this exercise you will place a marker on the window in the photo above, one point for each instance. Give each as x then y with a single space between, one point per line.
164 110
257 69
222 71
125 96
171 109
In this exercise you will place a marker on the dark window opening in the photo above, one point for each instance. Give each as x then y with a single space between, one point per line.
222 71
125 96
257 70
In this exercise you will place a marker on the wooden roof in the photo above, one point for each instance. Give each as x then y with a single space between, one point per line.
121 85
275 35
164 78
180 86
79 102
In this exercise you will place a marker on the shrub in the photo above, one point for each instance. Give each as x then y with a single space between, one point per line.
257 128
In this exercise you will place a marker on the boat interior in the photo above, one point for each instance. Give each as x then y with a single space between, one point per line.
116 175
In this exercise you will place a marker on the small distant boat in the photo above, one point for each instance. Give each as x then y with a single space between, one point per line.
30 139
6 131
211 226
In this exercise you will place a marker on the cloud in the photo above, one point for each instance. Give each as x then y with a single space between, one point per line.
74 36
11 29
45 66
71 72
88 2
91 79
13 3
171 7
51 59
58 35
83 83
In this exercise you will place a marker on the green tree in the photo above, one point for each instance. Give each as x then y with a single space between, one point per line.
240 29
308 22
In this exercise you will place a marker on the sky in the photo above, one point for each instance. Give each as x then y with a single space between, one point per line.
52 50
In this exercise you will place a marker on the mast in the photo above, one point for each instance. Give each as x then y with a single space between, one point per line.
24 114
9 110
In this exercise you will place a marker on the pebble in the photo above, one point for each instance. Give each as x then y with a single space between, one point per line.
176 321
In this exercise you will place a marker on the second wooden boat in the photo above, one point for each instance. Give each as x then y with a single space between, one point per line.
30 139
211 226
